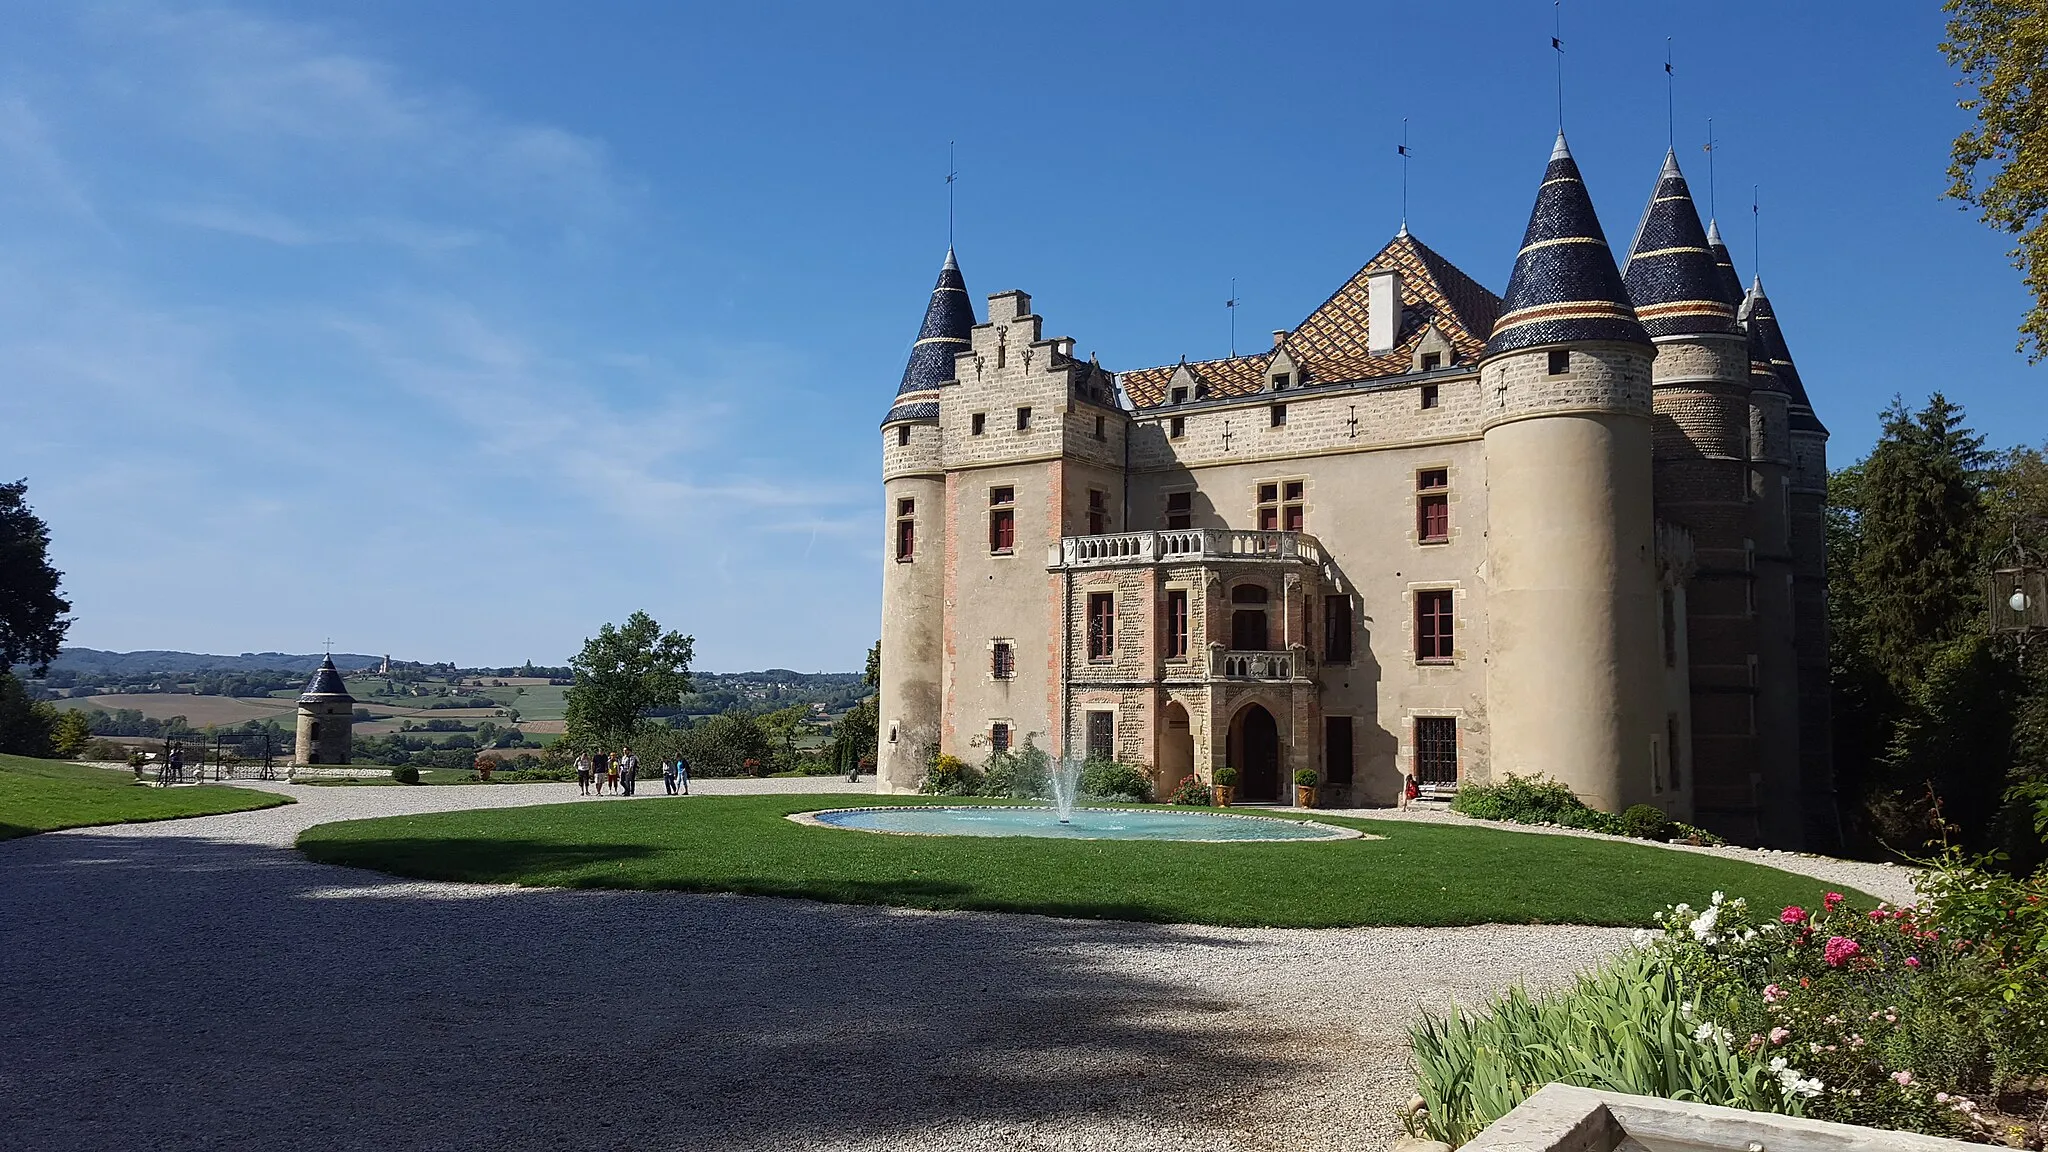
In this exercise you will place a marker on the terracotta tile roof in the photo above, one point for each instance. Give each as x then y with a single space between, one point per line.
1334 342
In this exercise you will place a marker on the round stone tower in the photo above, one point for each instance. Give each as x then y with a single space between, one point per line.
1701 468
1807 515
914 545
1573 689
326 711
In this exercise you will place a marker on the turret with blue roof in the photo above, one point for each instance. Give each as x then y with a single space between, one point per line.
1671 275
1565 288
947 320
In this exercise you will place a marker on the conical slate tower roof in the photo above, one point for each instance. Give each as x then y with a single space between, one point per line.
326 682
1762 323
1729 284
1565 287
1670 275
947 320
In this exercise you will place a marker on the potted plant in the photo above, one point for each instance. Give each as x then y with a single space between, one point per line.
1305 788
1225 789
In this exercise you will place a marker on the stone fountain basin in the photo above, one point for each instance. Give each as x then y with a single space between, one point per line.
1085 823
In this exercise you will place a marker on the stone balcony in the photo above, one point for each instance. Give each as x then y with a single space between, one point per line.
1184 546
1226 664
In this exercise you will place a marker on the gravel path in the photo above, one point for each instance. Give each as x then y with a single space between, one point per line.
197 984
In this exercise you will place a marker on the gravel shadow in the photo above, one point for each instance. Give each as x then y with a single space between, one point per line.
177 992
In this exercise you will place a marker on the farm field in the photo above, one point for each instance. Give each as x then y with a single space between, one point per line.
198 711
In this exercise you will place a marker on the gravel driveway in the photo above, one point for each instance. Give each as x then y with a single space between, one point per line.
197 984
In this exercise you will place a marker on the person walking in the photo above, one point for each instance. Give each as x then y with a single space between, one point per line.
601 770
682 774
629 768
582 774
668 777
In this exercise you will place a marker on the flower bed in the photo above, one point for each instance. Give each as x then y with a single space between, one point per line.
1932 1018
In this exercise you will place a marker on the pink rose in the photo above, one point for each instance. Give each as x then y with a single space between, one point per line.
1773 993
1832 899
1792 914
1839 949
1903 1077
1912 961
1779 1035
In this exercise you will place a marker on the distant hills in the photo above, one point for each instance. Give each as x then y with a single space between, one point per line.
93 660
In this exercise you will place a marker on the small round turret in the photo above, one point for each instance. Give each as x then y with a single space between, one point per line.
326 712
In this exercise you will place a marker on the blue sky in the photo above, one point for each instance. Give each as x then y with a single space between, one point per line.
455 330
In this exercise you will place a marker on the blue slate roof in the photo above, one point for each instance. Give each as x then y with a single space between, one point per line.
1670 274
947 320
1565 287
1762 322
326 682
1729 284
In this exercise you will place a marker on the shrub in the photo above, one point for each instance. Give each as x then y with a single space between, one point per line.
406 774
1115 780
1225 777
1305 778
1192 792
1625 1028
1023 773
950 776
1522 800
1644 822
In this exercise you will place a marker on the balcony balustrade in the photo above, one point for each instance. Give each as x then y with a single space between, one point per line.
1184 545
1225 664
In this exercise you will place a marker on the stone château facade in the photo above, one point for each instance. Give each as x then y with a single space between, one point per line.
1430 534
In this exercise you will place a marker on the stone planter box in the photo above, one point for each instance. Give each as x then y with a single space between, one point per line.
1561 1118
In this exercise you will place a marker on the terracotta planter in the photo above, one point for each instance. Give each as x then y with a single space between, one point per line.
1224 793
1304 797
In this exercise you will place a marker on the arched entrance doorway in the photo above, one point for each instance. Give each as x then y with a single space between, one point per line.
1176 749
1255 752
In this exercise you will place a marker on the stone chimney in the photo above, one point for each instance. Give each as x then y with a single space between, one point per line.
1279 337
1383 310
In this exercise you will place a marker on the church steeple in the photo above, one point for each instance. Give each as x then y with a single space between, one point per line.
1565 287
947 320
1762 322
1671 275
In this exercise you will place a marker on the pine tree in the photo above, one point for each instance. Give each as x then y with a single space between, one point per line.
1920 528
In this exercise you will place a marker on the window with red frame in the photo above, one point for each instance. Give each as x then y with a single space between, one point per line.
1433 626
1002 520
1433 505
1176 629
906 529
1101 625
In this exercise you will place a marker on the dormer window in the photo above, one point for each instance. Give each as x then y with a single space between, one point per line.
1180 395
1281 380
1431 361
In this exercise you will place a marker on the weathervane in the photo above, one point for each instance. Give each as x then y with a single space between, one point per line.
1402 148
1231 305
952 174
1557 45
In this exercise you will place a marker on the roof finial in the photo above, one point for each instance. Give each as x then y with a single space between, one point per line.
1670 100
1403 150
1711 212
1231 305
1756 264
952 174
1557 45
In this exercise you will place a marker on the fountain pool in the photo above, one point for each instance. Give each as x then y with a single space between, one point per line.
1081 824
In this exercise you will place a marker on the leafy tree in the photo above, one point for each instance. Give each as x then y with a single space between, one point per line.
2001 48
72 732
25 724
721 745
622 674
873 677
32 621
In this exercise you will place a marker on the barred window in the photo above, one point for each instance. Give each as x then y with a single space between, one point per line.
1002 660
1436 750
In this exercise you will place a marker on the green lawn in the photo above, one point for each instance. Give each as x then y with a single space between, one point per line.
44 795
1420 874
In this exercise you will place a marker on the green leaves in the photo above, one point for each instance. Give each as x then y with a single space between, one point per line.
622 674
2001 48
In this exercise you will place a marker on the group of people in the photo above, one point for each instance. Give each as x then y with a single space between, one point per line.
621 773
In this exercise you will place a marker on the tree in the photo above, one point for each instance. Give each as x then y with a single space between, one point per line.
1921 523
622 674
2001 48
25 724
73 732
32 620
